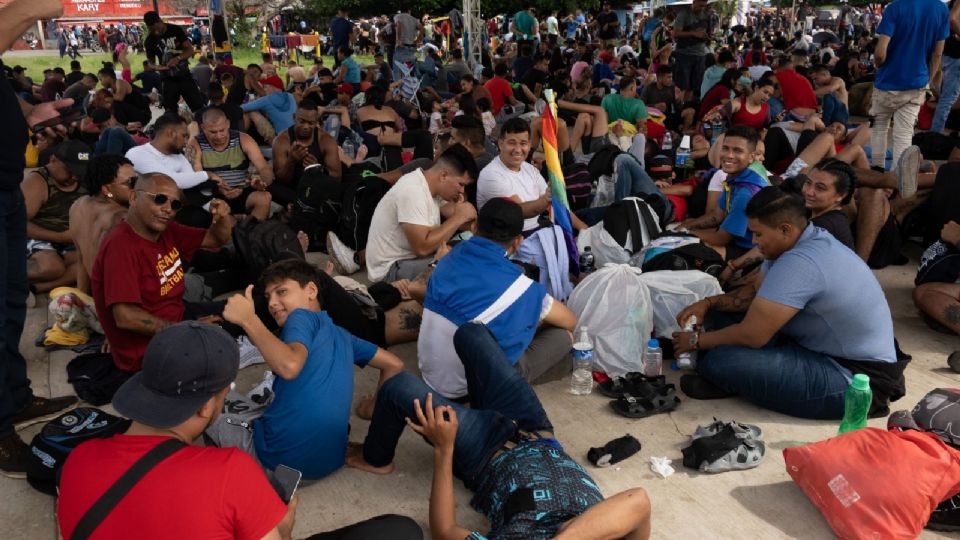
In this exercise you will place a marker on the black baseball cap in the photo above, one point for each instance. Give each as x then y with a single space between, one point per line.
500 220
184 366
75 155
660 166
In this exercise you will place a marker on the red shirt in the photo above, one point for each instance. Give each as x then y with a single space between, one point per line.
210 493
499 90
715 96
796 90
743 117
131 269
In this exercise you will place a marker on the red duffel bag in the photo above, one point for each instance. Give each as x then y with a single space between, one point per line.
876 484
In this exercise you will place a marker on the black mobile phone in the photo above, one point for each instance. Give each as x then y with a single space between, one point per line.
285 482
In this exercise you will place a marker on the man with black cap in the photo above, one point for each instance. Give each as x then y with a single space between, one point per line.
48 193
195 492
477 282
169 50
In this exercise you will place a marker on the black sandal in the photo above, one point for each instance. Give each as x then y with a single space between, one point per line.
661 400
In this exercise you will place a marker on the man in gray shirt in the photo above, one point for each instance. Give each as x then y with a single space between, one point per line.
203 73
692 30
409 32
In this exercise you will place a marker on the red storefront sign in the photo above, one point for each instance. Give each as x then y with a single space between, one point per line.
112 8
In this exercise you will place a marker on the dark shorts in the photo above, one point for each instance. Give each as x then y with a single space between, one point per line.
886 250
688 71
239 204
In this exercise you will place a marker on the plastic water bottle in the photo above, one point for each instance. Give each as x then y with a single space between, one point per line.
683 153
652 359
581 382
587 262
331 124
856 404
688 360
667 142
716 129
348 149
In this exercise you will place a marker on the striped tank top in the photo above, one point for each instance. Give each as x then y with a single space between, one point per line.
231 163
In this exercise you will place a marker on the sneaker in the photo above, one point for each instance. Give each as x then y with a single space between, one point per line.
341 255
249 353
42 409
13 457
263 392
954 361
907 167
946 517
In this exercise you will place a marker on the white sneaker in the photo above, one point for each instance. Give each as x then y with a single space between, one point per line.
249 353
341 255
907 167
263 392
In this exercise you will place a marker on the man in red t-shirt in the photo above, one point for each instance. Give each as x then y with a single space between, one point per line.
501 93
196 492
795 90
137 277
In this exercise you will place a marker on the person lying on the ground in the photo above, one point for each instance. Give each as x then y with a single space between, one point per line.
940 299
137 277
476 282
306 424
300 146
229 154
409 224
48 193
109 180
197 491
829 329
505 451
737 151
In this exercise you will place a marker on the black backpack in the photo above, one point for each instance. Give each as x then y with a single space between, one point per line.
633 216
360 199
601 164
688 257
260 244
579 184
317 208
50 448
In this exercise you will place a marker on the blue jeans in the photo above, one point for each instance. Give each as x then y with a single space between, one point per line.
114 141
949 92
633 180
786 378
501 402
15 393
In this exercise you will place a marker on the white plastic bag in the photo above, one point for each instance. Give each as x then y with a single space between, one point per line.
606 191
615 305
673 290
605 249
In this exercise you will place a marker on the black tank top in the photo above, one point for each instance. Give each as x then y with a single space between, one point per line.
313 149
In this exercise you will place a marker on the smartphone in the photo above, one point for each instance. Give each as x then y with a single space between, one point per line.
285 482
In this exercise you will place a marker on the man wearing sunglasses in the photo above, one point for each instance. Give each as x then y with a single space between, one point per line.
137 277
109 181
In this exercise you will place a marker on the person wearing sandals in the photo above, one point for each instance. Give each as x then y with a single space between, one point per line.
503 449
815 317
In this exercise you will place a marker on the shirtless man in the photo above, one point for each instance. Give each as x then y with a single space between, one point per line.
109 180
825 83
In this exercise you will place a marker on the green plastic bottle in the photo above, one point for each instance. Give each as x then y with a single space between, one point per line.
856 404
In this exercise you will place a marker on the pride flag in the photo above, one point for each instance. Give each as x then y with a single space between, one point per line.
558 187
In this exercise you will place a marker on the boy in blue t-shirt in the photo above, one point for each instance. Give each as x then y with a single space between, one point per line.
306 425
732 239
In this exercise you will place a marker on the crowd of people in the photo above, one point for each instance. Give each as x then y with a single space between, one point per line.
426 173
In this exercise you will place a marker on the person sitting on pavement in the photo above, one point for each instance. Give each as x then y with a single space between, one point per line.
306 424
506 454
48 193
805 332
238 500
300 146
109 180
938 298
411 223
625 105
737 151
476 282
229 154
277 105
138 274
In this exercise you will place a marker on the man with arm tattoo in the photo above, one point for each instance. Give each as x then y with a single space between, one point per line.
137 277
938 296
805 332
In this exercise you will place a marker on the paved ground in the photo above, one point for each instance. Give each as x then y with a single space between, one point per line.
760 503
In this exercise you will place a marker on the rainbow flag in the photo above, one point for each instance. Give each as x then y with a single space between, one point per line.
558 187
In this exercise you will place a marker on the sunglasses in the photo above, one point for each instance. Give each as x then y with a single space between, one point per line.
160 199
